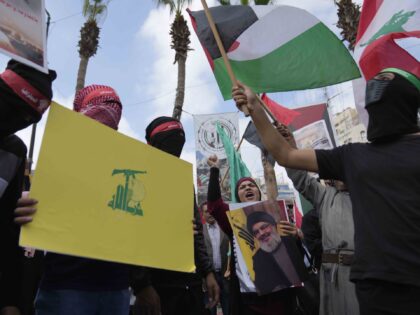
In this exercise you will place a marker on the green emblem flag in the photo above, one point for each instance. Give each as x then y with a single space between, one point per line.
273 48
106 196
237 168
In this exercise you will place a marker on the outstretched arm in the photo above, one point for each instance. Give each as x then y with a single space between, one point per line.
307 185
282 152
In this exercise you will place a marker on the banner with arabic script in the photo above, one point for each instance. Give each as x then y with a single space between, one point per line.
208 142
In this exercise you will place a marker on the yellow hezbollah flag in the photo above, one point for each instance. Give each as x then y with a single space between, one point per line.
237 220
107 196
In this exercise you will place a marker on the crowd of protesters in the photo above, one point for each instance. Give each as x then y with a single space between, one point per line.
369 267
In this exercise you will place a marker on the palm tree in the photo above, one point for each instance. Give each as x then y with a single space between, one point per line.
180 42
246 2
93 10
348 20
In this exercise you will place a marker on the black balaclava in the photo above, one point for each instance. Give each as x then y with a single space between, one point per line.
25 94
166 134
392 106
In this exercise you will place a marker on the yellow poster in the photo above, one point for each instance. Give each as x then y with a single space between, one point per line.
272 258
237 219
107 196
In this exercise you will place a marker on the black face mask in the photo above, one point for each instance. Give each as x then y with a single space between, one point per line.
170 142
15 114
12 119
392 106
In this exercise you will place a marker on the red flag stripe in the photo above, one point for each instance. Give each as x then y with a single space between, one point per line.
369 10
298 216
283 114
207 53
386 53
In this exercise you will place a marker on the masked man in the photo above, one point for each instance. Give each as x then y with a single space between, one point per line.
75 285
334 221
170 292
383 181
25 94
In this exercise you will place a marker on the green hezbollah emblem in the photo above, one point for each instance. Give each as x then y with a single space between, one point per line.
128 196
394 25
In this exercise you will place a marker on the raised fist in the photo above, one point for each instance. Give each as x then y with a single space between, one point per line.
213 161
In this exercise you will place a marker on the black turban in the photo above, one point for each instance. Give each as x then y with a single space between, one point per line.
258 216
166 134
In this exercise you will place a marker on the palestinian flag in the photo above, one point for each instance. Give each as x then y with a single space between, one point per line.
273 48
388 37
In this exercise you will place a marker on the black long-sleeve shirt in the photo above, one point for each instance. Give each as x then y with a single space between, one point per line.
12 168
141 277
313 236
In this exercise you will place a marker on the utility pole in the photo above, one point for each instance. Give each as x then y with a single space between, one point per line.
33 132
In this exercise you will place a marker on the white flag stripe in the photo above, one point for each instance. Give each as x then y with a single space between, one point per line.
359 90
410 45
260 38
262 10
383 15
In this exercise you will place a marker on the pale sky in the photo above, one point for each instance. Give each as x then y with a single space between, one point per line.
136 60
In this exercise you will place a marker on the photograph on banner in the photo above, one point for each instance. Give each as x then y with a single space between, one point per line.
291 211
245 276
274 262
23 32
311 114
208 142
100 196
313 136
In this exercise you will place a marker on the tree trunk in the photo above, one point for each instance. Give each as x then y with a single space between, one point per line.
180 90
270 177
81 74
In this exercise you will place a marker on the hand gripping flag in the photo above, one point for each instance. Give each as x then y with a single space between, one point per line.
384 27
273 48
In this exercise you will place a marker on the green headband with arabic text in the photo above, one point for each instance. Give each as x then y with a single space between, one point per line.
407 75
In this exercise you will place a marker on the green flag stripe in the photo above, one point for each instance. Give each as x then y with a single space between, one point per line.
314 59
237 168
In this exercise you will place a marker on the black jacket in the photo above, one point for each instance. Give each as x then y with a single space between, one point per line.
269 275
12 168
141 277
313 236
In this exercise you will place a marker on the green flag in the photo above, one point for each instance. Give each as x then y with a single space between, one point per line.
273 48
238 168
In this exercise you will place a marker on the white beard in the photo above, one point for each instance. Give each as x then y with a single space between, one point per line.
271 245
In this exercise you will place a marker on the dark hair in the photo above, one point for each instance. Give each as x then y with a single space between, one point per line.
203 204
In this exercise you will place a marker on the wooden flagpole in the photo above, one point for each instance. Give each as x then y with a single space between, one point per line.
221 48
230 71
267 110
226 59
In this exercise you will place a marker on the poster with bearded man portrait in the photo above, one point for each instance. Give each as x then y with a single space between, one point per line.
274 259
